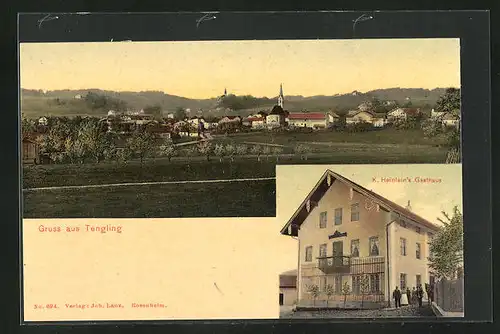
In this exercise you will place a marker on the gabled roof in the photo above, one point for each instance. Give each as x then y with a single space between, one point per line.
321 188
408 111
353 113
253 119
307 115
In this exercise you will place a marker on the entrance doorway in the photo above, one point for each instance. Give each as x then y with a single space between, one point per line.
281 299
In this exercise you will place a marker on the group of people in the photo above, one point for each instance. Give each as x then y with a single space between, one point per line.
414 296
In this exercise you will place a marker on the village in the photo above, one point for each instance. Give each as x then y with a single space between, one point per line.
183 129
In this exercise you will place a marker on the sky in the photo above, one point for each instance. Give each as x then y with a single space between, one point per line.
202 69
294 182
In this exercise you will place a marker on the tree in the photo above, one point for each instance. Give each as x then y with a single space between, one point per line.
180 114
241 149
277 151
141 143
346 290
431 127
219 151
449 102
230 151
329 291
257 150
153 110
75 150
303 150
94 139
27 127
314 291
446 248
364 287
168 149
266 150
205 148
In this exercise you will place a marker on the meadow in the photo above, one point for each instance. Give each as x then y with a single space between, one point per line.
221 199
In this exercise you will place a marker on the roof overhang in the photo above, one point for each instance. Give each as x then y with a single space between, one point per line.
292 227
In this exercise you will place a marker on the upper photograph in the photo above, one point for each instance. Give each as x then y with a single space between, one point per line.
196 129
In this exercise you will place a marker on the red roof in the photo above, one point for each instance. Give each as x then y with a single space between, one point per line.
308 115
253 119
411 111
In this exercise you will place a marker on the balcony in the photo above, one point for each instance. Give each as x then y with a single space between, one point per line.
351 265
334 264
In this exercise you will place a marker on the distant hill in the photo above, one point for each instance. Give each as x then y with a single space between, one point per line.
35 103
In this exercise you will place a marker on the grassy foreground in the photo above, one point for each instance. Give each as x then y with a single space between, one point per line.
239 199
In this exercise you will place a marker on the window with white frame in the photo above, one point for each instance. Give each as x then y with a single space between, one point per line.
402 281
402 246
355 248
322 250
338 216
418 251
322 219
374 246
355 212
309 251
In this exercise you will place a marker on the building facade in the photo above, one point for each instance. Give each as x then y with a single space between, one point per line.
350 237
315 120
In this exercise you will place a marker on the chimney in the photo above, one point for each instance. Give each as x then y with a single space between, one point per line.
408 206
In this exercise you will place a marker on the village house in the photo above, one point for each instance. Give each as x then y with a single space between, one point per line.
256 122
288 288
31 151
450 120
346 232
368 116
402 114
230 120
315 120
195 121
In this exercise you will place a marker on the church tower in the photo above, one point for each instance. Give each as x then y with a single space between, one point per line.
281 98
225 92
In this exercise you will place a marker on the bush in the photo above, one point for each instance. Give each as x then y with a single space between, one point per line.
359 127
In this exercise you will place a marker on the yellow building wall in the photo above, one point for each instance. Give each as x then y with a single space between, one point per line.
371 224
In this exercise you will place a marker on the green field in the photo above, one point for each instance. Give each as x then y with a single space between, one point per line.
239 199
248 198
385 136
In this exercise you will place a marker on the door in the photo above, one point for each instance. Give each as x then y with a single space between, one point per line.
281 299
338 253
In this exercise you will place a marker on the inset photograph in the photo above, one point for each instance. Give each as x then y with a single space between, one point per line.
373 241
196 128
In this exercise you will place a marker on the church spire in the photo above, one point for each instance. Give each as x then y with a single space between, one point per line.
225 91
408 206
281 98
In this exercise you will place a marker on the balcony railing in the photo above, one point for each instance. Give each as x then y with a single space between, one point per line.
351 265
334 264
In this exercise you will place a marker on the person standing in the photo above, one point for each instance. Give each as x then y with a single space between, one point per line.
396 294
420 295
414 295
408 295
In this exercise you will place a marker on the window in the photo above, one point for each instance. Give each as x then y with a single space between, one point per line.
374 283
355 248
402 223
338 216
374 246
322 219
417 251
402 281
322 250
418 280
402 246
309 253
356 284
355 212
338 284
417 229
322 283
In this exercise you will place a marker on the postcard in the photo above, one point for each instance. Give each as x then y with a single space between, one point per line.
196 128
371 241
